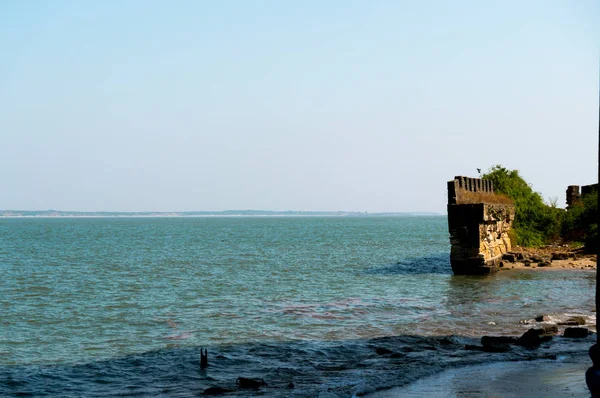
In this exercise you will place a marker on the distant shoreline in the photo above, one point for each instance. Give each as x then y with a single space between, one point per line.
228 213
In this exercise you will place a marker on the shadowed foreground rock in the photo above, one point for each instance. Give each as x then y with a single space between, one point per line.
534 337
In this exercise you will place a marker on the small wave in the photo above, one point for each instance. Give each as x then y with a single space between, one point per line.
423 265
181 336
338 368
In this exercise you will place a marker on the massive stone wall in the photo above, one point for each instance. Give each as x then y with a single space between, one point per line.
573 194
478 231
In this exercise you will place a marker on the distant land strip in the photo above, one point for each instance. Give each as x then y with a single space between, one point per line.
225 213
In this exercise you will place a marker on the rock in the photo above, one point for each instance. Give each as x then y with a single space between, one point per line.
539 259
545 264
542 318
491 340
383 351
497 344
534 337
243 382
576 332
496 348
510 257
573 321
547 331
559 256
446 341
520 256
216 390
527 263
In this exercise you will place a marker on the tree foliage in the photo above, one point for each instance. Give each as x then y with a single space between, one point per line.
536 223
580 223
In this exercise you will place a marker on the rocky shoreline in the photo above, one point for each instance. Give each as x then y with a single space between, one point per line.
548 257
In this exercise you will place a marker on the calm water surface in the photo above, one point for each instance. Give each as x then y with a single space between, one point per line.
81 293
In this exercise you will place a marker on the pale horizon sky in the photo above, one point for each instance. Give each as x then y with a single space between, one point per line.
308 105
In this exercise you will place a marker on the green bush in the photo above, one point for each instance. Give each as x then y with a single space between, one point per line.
536 223
581 222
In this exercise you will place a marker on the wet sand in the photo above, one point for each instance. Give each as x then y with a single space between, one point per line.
562 378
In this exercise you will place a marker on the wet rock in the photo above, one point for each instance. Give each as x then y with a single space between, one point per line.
542 318
216 390
510 257
244 382
573 321
534 337
491 340
576 332
383 351
547 331
497 344
496 348
446 341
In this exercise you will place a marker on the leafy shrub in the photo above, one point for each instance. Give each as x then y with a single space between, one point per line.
581 222
536 223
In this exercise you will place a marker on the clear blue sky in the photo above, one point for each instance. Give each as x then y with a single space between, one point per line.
299 105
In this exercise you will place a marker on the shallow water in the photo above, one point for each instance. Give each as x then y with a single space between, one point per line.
104 303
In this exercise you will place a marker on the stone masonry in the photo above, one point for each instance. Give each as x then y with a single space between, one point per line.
479 222
573 194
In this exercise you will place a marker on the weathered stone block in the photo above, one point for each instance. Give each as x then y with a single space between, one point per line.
478 231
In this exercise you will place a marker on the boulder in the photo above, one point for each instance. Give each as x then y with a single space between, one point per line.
383 351
497 343
545 264
539 259
244 382
510 257
216 390
573 321
576 332
534 337
560 256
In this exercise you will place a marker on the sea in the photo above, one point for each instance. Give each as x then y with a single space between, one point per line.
313 306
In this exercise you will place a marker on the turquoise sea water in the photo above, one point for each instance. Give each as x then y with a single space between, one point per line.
98 304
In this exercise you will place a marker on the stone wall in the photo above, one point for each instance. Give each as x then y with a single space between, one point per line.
479 232
573 193
460 185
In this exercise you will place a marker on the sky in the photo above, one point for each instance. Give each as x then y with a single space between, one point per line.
291 105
